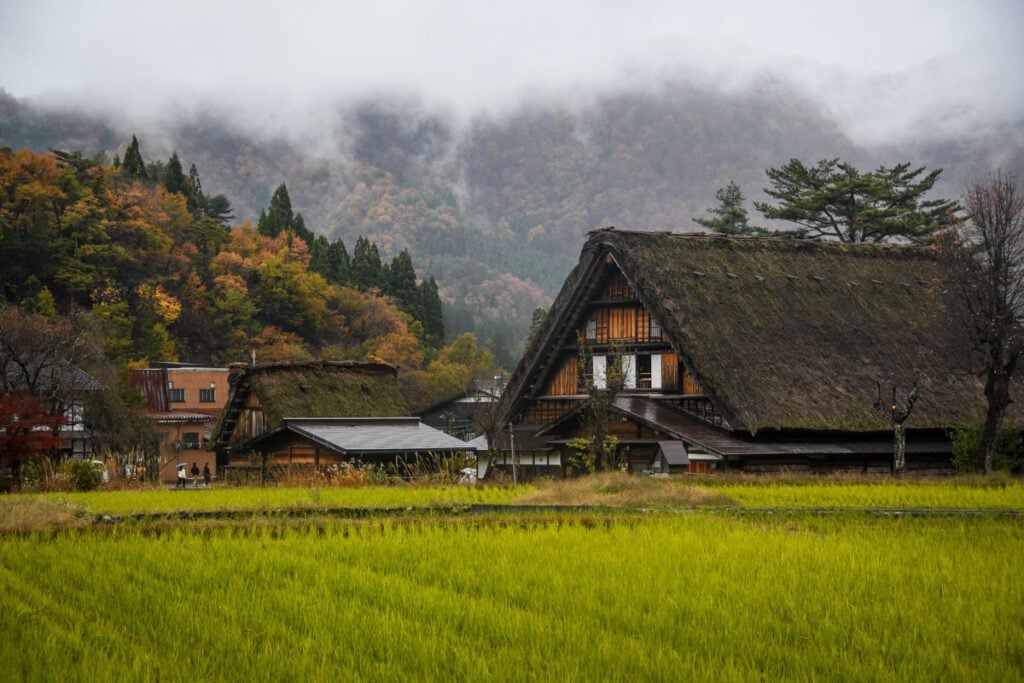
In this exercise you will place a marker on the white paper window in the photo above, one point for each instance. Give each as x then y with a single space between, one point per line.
600 366
655 371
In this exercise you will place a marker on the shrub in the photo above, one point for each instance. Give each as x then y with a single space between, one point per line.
84 475
967 447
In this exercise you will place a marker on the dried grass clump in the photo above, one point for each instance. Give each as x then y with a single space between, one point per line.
21 514
617 489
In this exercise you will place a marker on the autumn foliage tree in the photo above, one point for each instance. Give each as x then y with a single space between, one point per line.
27 429
150 263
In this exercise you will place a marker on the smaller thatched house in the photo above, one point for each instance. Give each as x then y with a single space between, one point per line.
263 398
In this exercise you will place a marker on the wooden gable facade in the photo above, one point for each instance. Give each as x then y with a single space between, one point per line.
614 333
743 352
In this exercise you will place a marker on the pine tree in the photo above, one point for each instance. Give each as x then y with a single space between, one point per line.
729 216
402 285
218 207
299 228
367 269
339 264
834 199
279 215
319 255
329 259
433 312
174 177
194 190
133 164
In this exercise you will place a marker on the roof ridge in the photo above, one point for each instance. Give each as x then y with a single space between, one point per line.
603 234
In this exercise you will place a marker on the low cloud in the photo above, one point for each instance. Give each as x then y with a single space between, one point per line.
882 68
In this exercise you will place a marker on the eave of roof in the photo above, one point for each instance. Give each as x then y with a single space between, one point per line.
371 436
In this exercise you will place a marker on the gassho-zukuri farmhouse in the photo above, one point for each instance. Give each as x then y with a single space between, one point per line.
746 353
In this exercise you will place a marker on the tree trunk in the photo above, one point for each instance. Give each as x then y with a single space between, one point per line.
997 391
899 449
989 436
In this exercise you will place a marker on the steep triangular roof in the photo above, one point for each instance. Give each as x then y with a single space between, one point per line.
783 333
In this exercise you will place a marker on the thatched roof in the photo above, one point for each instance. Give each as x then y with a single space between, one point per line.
312 389
786 334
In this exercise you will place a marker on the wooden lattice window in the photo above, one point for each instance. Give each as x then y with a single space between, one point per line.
653 328
618 288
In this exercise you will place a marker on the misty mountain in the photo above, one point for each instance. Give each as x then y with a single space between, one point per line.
496 206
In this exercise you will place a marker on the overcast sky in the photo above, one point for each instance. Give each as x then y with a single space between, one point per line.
881 66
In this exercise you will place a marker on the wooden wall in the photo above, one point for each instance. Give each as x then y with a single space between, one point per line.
690 385
565 382
669 371
541 412
620 323
251 423
618 288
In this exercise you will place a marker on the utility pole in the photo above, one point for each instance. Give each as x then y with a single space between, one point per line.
512 448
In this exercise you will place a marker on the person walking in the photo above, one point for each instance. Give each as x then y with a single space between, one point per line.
182 477
206 474
195 469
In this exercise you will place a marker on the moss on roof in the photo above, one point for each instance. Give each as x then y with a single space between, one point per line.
794 334
315 389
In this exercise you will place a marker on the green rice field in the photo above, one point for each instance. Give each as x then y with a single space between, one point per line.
169 500
626 596
609 489
951 493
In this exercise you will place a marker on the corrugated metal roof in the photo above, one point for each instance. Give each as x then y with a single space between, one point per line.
367 435
152 384
674 452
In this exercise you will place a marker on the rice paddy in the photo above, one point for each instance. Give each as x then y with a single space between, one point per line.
689 580
551 597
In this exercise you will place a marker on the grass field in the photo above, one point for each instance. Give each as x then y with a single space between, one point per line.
59 510
995 493
168 500
578 596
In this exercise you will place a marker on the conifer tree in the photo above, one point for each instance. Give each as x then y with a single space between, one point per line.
174 177
329 259
193 190
279 215
402 285
339 264
433 313
730 217
133 164
218 207
367 269
834 199
299 228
